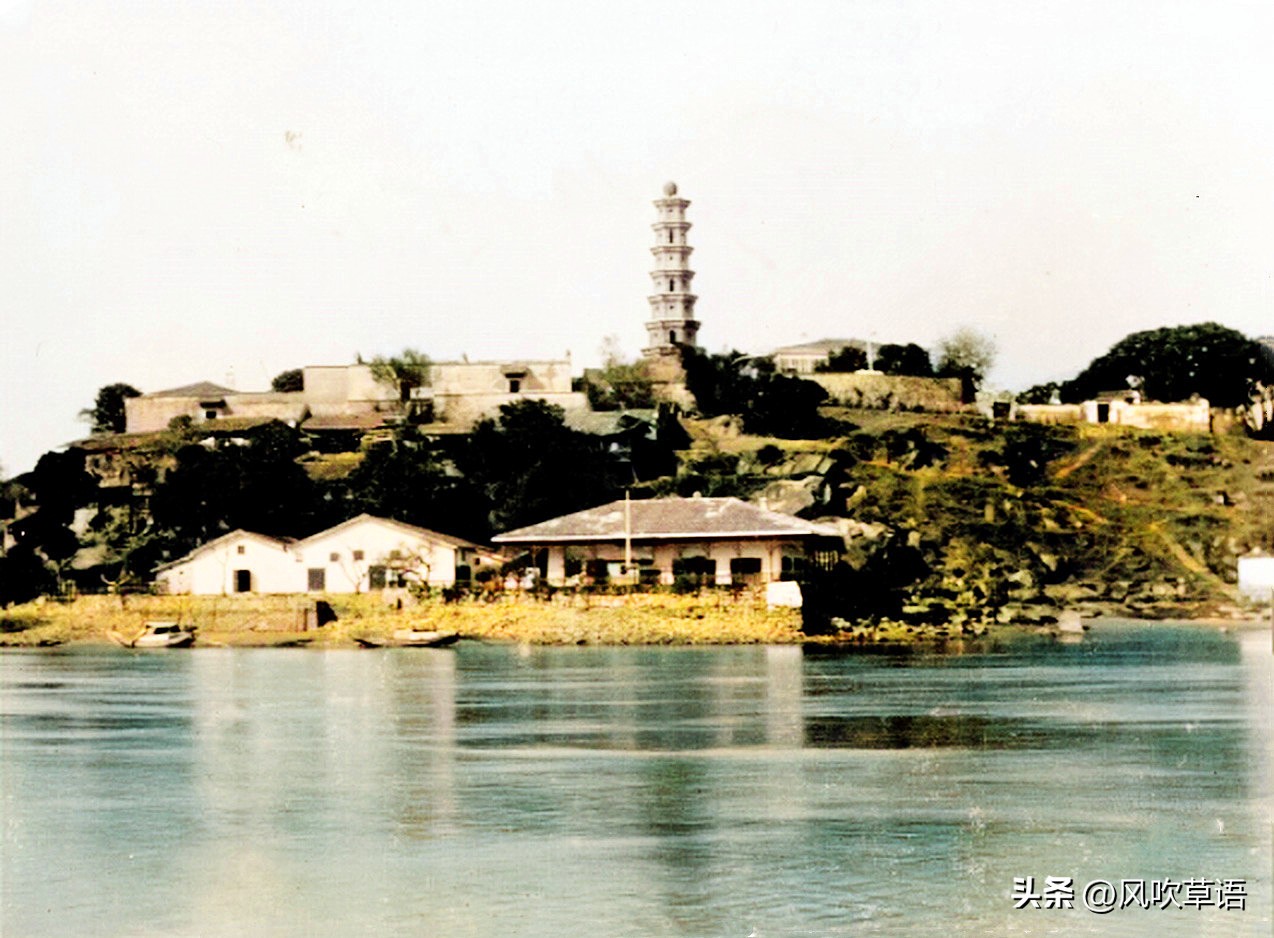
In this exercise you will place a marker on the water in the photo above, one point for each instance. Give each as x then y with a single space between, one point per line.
494 791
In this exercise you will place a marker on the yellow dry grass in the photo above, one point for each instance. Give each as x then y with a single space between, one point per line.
638 619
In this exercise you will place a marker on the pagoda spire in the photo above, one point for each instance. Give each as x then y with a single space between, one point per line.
672 320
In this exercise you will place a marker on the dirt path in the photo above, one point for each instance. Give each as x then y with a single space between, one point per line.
1078 461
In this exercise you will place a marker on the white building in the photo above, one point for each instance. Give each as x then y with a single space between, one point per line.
804 359
367 553
716 541
672 320
362 554
1256 576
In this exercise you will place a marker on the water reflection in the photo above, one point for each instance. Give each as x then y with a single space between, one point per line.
489 790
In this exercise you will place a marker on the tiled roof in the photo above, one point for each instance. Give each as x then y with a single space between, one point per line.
668 519
409 529
274 542
201 389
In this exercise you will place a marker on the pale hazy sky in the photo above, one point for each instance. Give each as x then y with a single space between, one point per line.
221 191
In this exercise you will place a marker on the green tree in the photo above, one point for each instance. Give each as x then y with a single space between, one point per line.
618 384
107 413
909 359
528 466
408 370
1176 362
418 485
59 486
849 358
291 380
768 403
213 490
968 355
1047 393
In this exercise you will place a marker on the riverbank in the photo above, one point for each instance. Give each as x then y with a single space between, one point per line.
644 619
638 619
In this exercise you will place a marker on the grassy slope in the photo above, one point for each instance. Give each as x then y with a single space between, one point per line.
1115 519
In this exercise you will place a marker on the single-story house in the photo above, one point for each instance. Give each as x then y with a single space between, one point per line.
362 554
372 553
722 541
238 562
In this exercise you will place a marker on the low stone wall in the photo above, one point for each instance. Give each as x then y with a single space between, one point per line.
1051 413
890 392
1194 415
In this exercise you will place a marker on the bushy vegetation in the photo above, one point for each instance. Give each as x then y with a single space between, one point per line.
1175 363
769 404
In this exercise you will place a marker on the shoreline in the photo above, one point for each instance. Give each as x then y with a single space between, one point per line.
637 619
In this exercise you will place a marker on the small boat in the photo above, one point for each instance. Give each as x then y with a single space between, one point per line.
158 635
410 638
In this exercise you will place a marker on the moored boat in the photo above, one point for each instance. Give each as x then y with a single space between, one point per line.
158 635
410 638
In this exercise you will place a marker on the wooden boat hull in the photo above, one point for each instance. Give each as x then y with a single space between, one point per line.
410 638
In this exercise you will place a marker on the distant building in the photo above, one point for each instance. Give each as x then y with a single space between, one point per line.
1256 576
348 399
461 393
805 358
357 556
343 390
721 541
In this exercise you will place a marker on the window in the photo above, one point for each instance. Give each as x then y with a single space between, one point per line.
597 570
240 549
670 236
316 579
243 581
358 555
793 568
745 569
671 285
209 415
334 556
515 385
672 338
702 570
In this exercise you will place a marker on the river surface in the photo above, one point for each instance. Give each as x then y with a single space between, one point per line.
492 790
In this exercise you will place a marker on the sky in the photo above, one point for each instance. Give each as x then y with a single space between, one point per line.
222 191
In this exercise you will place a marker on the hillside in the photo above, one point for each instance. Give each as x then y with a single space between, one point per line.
947 518
952 517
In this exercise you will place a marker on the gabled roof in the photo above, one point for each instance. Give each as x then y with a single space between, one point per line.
407 529
667 519
277 543
201 389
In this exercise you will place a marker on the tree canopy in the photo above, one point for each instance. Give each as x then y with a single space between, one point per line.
1175 362
529 466
291 380
406 371
769 404
107 413
847 358
968 355
909 359
618 384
